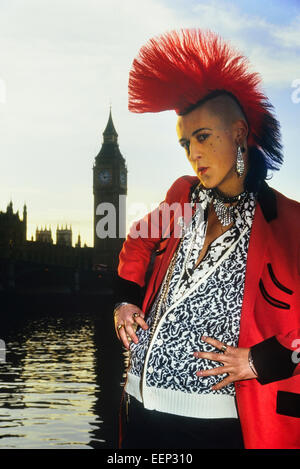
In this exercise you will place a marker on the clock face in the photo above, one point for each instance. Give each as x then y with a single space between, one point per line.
122 178
105 176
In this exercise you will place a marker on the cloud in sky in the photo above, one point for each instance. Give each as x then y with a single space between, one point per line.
63 61
289 35
268 46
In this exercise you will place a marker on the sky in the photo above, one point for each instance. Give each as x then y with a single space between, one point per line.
63 62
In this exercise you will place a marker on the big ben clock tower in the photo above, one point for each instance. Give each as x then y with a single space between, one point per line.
110 190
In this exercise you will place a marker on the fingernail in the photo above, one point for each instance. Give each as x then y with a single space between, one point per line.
199 373
204 337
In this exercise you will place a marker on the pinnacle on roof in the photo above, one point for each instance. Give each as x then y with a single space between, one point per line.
110 133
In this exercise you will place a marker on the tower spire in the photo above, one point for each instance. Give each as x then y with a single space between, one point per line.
110 146
110 134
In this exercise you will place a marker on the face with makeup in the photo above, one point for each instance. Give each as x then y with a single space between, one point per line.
210 135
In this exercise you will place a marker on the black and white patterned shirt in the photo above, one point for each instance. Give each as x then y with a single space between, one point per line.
205 300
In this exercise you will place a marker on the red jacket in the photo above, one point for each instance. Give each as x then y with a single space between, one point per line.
269 407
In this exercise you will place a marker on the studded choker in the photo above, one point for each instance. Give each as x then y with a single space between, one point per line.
226 214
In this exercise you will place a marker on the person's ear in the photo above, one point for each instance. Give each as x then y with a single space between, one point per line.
240 129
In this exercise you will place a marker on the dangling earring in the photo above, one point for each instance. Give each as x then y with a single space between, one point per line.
240 165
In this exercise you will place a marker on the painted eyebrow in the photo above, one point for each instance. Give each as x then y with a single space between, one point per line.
198 130
194 133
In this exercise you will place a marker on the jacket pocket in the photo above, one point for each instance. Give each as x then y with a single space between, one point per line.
276 281
270 299
288 403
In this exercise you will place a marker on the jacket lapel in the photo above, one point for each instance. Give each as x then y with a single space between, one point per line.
162 265
266 211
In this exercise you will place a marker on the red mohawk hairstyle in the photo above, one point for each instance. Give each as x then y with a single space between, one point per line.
179 69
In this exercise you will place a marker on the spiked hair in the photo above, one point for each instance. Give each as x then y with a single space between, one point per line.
180 70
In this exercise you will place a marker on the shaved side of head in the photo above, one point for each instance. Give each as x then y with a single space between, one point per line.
226 108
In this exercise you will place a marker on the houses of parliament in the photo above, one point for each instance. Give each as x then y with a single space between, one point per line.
23 260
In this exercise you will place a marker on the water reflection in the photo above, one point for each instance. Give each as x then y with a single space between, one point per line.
50 383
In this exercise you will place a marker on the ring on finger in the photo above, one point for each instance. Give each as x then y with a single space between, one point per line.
223 348
119 326
135 315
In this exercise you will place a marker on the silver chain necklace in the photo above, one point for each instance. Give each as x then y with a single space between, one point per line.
225 213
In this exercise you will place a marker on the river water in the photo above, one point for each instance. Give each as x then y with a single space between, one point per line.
59 380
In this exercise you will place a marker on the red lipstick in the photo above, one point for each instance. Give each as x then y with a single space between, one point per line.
202 169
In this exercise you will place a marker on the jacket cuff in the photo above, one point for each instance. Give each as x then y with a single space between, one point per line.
128 291
272 361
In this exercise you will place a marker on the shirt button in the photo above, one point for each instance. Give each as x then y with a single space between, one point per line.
172 317
159 342
150 369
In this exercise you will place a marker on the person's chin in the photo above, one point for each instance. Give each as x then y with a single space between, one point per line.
207 182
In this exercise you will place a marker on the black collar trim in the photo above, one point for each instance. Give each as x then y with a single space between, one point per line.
267 200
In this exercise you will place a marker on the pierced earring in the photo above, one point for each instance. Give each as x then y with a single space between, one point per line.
240 165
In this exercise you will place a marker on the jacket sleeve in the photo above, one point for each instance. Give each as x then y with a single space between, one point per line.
145 236
134 260
277 358
141 244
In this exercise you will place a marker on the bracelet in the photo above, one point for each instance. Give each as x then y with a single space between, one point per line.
118 305
251 364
